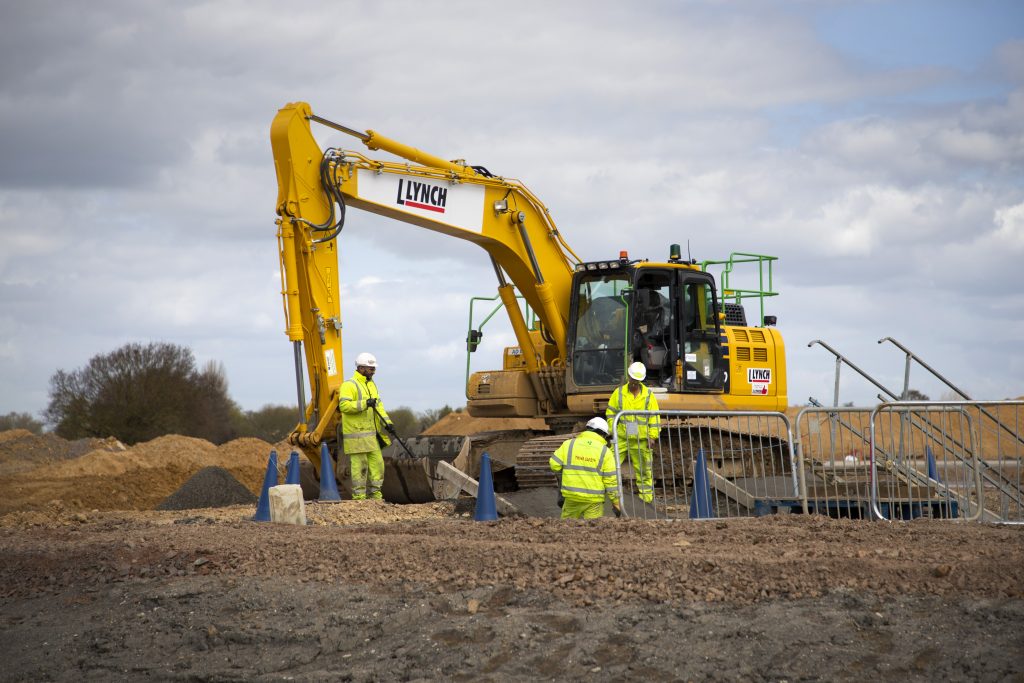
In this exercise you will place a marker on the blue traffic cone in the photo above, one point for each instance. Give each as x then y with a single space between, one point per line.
486 508
933 471
269 479
292 476
328 485
700 503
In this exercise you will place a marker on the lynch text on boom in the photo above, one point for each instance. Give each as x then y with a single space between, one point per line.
422 195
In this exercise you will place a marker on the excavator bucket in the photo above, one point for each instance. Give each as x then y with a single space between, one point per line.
411 479
418 480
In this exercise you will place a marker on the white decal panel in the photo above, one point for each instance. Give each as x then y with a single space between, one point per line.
456 204
759 375
759 379
329 362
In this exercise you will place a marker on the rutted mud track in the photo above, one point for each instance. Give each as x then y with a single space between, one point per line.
381 592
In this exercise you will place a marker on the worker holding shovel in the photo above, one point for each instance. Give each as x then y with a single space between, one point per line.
365 427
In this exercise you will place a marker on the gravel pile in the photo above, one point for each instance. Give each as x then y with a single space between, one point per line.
210 487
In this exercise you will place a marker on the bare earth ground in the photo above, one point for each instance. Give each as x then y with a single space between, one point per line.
373 592
97 585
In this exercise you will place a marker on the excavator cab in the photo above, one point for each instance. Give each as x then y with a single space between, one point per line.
662 315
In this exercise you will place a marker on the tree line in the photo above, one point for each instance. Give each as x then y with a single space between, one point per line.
142 391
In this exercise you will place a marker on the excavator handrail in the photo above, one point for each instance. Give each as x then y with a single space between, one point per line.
738 257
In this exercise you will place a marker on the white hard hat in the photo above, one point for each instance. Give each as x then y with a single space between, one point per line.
366 359
637 371
598 423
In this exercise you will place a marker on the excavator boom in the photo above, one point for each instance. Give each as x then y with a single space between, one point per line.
502 216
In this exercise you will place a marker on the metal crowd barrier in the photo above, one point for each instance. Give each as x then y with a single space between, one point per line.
948 459
834 449
707 465
956 460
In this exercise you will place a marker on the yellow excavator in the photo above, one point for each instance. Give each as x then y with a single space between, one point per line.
592 318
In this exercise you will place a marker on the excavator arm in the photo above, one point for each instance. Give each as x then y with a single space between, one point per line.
315 189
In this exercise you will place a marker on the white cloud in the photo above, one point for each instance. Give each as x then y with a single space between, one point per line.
977 146
137 186
1010 233
369 281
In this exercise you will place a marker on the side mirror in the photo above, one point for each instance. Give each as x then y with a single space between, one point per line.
473 340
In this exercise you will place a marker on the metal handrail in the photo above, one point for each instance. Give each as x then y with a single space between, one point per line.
740 294
840 359
992 476
498 307
935 373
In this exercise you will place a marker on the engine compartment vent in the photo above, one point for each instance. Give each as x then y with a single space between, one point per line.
735 315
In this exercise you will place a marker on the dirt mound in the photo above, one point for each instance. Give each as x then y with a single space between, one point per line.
14 434
210 487
137 478
21 450
464 424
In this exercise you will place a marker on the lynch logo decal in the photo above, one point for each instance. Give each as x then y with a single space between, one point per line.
421 195
759 375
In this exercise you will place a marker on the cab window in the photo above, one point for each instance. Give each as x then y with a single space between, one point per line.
601 332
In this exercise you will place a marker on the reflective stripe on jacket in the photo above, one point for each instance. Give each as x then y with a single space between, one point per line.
622 399
359 424
588 471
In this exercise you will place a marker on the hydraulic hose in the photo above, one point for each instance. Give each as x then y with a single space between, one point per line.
334 196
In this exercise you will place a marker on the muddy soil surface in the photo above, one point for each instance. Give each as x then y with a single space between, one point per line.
378 592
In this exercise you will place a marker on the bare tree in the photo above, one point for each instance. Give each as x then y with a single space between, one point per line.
272 423
20 421
432 415
214 411
139 392
405 421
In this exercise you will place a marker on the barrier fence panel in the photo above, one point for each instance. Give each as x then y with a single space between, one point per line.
706 465
950 459
834 449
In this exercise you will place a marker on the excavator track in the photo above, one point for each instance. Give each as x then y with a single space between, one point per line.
532 467
729 453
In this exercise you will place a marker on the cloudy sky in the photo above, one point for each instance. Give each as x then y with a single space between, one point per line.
876 148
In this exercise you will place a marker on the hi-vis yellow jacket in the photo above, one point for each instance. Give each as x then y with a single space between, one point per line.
588 469
634 428
359 423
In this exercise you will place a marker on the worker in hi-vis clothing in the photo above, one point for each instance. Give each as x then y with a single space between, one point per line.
365 426
586 470
637 433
